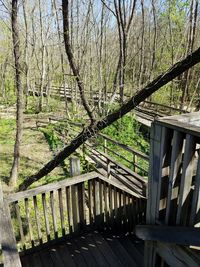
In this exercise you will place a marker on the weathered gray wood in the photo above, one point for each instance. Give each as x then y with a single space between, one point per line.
50 187
26 201
44 205
176 159
74 166
81 203
195 207
53 213
90 199
7 238
186 177
75 208
38 224
60 201
21 231
175 256
187 236
69 208
108 168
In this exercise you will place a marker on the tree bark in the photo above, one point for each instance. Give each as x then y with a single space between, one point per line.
91 130
19 114
75 70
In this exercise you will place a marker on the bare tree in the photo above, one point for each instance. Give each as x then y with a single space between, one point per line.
19 115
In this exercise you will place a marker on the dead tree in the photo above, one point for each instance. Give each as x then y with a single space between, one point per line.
92 130
19 114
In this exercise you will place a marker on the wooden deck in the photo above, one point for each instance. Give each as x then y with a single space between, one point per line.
90 249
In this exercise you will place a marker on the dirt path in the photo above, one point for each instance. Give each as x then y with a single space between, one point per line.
35 153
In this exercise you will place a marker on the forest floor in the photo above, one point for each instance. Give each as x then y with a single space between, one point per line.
35 151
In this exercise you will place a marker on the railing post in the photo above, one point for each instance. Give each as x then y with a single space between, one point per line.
78 191
108 169
134 162
74 166
105 146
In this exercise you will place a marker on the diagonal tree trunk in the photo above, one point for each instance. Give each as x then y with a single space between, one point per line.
91 130
19 115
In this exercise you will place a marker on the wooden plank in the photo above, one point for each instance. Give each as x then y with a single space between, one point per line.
44 205
136 256
106 250
69 209
21 231
175 256
26 201
50 187
96 202
119 251
176 159
195 207
53 212
187 236
82 246
81 204
75 209
186 177
75 253
7 239
46 258
56 259
60 201
38 224
65 256
100 259
90 199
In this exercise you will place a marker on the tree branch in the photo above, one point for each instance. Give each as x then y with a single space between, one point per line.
91 130
75 70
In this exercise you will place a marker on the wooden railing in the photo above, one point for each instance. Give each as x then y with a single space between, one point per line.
8 245
48 213
139 162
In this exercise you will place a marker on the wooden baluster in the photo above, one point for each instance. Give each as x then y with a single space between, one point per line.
53 214
101 198
75 170
60 200
29 222
37 219
90 199
44 204
108 169
75 212
111 204
81 203
96 202
69 208
106 207
21 231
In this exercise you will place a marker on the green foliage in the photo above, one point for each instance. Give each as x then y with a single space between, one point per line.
7 127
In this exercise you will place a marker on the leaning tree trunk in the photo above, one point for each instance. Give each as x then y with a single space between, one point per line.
134 101
19 115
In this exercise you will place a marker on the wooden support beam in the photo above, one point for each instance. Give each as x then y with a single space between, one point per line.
186 236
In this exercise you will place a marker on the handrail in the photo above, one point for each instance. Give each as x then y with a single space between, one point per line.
165 106
50 187
125 147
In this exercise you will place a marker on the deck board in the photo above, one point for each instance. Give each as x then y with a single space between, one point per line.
89 249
